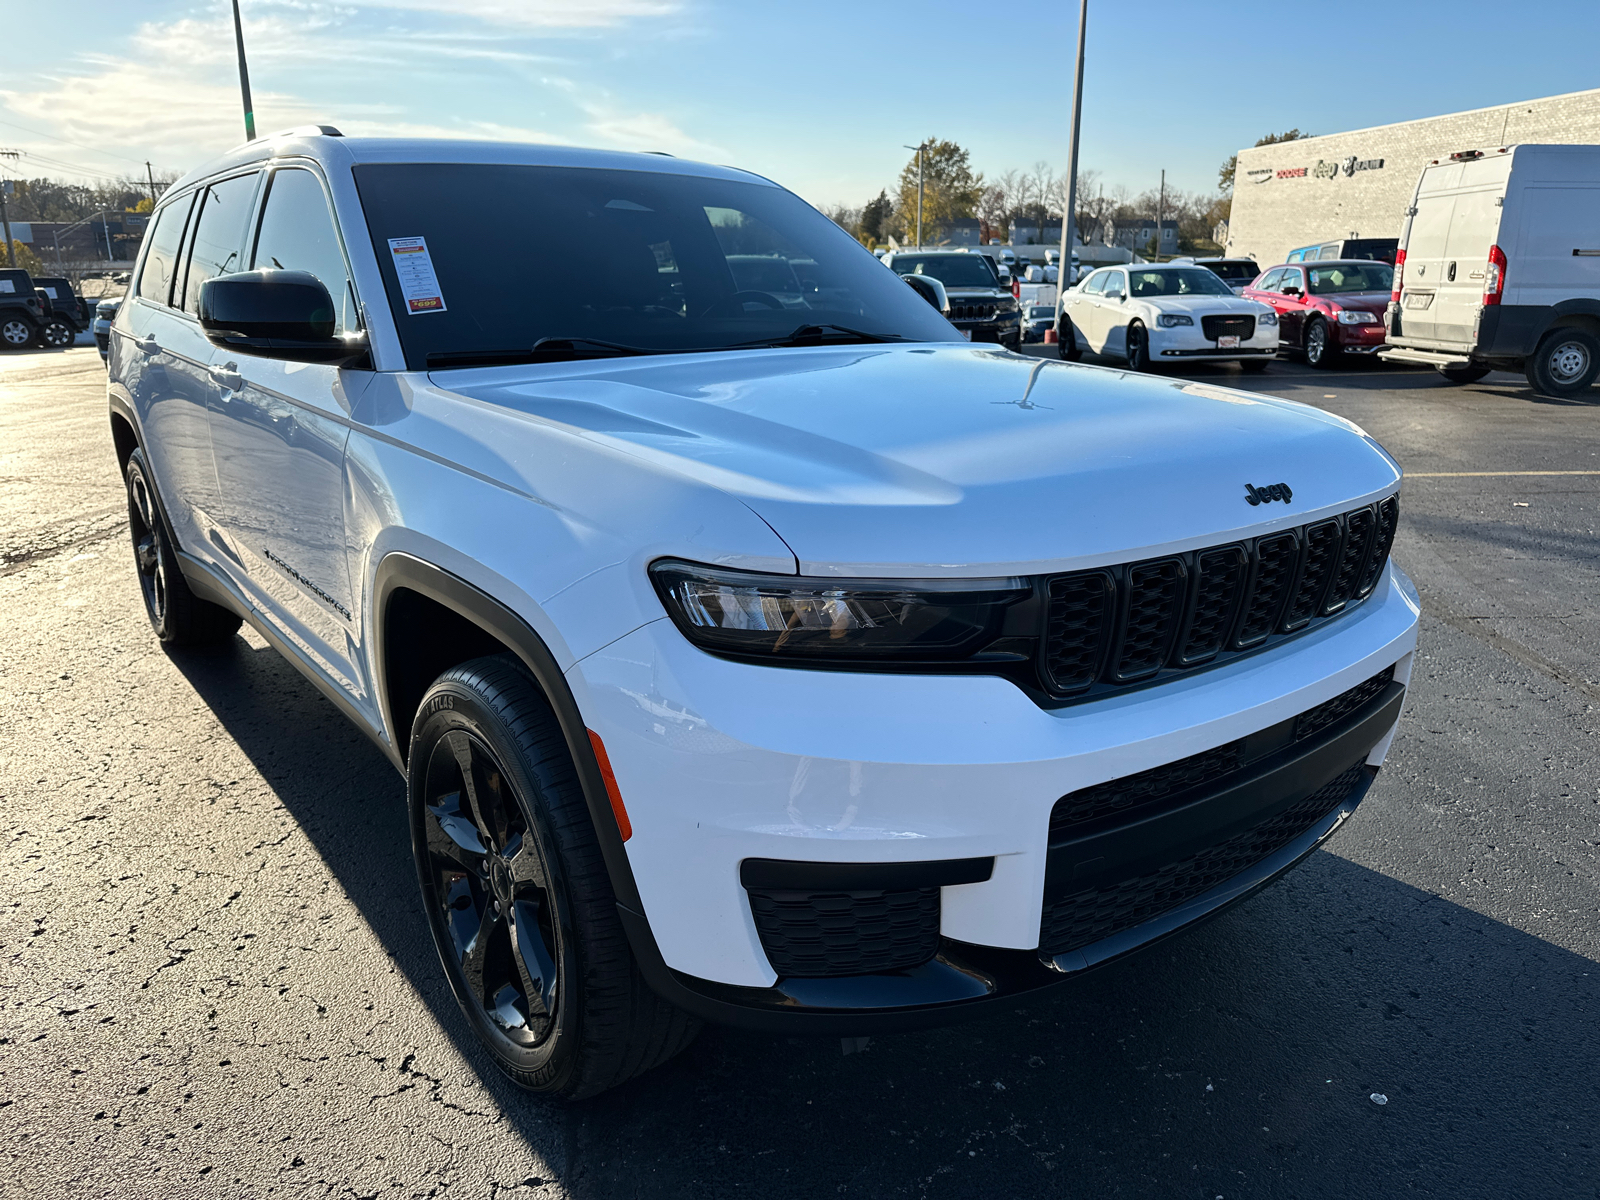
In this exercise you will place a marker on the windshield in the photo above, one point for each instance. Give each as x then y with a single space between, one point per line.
1351 277
1235 271
482 261
1188 281
952 270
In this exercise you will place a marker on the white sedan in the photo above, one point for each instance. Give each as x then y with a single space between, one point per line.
1165 314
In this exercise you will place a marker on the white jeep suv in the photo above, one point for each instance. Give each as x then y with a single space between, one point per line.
808 670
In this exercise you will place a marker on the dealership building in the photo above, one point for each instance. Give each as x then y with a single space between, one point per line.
1359 184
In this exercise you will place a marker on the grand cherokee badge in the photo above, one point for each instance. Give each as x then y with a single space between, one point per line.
1266 495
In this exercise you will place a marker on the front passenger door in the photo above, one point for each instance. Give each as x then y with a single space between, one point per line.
278 432
1291 306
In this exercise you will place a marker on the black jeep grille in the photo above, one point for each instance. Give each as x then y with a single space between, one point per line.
966 311
1241 326
1083 918
817 935
1134 622
1169 785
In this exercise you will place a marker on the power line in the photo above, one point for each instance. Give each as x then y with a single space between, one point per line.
68 141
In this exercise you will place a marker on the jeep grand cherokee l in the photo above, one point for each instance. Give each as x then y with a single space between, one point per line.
805 670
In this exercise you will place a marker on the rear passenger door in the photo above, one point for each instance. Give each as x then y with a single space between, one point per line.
278 432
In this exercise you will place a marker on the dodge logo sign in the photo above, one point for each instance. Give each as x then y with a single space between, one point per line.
1267 494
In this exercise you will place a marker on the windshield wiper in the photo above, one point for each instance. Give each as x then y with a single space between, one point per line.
803 334
546 349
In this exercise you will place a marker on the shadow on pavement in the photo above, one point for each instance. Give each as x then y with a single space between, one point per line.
1235 1061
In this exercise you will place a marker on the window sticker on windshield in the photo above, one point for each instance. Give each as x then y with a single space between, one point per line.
419 286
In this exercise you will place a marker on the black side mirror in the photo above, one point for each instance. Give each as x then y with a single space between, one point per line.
930 289
1291 291
276 314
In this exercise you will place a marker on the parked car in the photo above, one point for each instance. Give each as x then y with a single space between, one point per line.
1152 315
1373 249
979 307
104 313
816 673
69 314
1036 319
1327 309
1237 273
1500 268
22 309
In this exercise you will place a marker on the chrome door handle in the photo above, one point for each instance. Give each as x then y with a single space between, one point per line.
149 345
227 376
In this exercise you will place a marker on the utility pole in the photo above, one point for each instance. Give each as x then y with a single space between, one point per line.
106 229
244 77
5 217
1161 212
919 150
1069 219
151 176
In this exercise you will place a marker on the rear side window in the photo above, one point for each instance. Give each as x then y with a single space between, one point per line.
297 234
215 248
161 260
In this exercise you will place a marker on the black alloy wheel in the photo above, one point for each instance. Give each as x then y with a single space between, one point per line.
16 333
177 615
1067 344
1321 352
1463 374
57 334
1565 363
1138 348
516 892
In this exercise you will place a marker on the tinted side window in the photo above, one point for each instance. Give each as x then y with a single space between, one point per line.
1269 281
161 260
1096 283
297 234
215 248
1292 278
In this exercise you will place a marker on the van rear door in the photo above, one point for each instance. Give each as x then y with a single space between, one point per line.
1474 227
1425 261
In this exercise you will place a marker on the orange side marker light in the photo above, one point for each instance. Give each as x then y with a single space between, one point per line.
624 826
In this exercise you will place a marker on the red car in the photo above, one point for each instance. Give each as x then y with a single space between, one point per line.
1327 309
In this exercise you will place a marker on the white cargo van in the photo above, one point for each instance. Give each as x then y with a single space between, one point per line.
1499 267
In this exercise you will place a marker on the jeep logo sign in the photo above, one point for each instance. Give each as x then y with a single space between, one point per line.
1267 494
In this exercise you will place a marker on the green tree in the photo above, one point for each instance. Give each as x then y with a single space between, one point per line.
875 218
27 260
950 187
1226 172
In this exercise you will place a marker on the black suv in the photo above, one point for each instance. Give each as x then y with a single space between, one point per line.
68 316
22 310
979 307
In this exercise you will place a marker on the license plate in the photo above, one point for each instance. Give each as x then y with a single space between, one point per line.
967 333
1230 342
1418 299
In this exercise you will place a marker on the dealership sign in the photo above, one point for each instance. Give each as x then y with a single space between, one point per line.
1325 169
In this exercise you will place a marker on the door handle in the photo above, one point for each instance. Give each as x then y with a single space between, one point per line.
228 377
149 345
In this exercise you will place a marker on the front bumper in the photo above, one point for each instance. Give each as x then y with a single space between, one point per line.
720 763
1188 342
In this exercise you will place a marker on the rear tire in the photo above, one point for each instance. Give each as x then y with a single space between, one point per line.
517 895
1067 344
1565 363
1463 374
178 616
1321 351
57 334
17 333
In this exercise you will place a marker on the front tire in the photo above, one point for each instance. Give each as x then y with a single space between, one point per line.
1321 351
178 616
1565 363
1138 347
1463 374
516 892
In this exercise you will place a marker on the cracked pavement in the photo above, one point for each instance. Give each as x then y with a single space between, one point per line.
215 981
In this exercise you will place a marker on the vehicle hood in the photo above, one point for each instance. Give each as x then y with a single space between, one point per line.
1372 302
1202 305
954 460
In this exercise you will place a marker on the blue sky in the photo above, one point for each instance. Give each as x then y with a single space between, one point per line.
820 96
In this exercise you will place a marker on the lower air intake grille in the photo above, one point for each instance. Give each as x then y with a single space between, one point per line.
1086 917
815 935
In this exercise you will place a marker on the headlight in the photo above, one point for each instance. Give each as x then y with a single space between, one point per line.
1347 317
1267 318
787 616
1168 320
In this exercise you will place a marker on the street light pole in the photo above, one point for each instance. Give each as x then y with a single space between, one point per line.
1069 219
244 76
919 150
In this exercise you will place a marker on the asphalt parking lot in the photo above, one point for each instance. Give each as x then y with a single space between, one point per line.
215 979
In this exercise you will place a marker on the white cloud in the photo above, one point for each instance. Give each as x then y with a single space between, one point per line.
538 14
